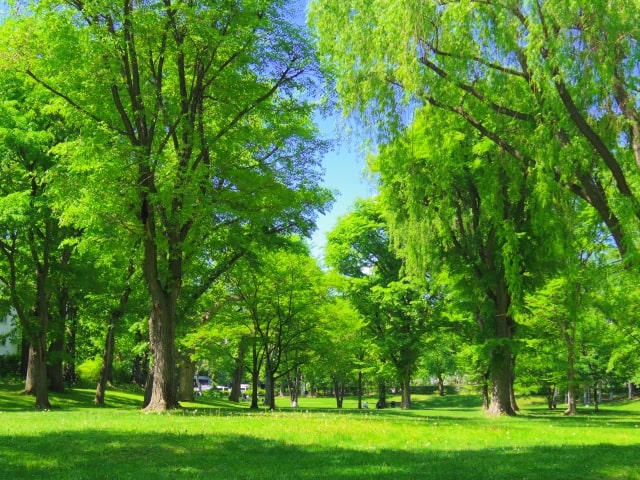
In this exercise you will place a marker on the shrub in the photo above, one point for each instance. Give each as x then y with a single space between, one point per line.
89 370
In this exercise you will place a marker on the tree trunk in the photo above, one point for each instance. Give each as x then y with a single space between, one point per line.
485 396
140 367
440 384
238 371
512 379
571 387
500 363
54 368
162 334
187 372
500 383
294 388
406 389
36 382
107 361
359 389
269 387
24 355
382 395
339 389
255 377
70 366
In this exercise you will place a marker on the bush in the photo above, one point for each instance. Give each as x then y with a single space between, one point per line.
89 370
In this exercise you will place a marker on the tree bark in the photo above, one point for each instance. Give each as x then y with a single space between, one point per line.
162 334
107 361
500 363
406 389
238 371
36 382
382 395
339 390
54 368
187 372
269 394
440 385
571 386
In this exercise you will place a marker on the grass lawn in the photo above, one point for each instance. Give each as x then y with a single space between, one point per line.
441 438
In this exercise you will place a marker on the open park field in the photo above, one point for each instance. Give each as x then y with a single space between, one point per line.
441 438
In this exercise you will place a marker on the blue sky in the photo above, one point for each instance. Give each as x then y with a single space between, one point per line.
344 173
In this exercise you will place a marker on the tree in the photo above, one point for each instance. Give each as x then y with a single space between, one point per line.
397 308
197 107
32 255
275 298
341 347
551 84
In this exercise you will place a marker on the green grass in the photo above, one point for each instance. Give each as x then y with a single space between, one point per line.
442 438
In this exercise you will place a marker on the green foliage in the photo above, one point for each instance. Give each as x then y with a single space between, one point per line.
89 370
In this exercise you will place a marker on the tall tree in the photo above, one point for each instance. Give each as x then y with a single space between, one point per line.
198 108
551 84
31 252
445 204
397 308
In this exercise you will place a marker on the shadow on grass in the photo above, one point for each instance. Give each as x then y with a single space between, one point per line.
450 402
173 455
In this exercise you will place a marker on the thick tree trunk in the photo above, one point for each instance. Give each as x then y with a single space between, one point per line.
500 383
162 334
107 361
500 363
36 382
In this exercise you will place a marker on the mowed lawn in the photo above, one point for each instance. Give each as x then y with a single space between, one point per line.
441 438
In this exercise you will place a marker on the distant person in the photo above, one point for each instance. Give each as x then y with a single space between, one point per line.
365 404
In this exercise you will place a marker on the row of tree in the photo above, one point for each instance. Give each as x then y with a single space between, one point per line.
508 156
159 165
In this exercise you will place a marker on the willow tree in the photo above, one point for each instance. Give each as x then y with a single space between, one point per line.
550 88
553 83
32 256
195 110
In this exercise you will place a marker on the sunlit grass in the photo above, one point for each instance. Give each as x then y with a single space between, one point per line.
444 438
